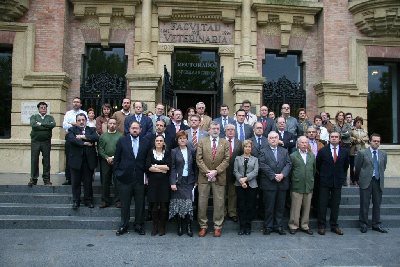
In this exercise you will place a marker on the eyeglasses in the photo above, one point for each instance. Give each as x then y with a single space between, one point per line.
285 107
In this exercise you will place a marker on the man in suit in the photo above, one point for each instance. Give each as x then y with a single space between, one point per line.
212 159
267 123
121 115
235 149
160 130
302 185
275 168
249 117
195 134
332 166
286 138
204 119
159 115
129 168
176 126
224 119
243 131
370 165
259 142
145 122
82 159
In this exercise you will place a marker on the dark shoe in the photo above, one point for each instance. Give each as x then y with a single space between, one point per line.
75 205
307 231
203 232
321 231
292 231
241 232
32 182
363 229
89 204
118 204
267 231
47 183
337 231
67 182
217 232
280 231
189 230
121 231
156 221
140 230
247 231
179 229
103 205
379 229
234 218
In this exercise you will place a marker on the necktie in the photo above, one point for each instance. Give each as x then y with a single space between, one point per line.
334 154
264 123
138 118
158 118
230 147
214 150
241 133
259 141
376 165
275 154
135 146
224 123
194 139
177 127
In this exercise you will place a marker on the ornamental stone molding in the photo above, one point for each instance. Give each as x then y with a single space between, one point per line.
286 15
107 14
12 10
174 10
377 18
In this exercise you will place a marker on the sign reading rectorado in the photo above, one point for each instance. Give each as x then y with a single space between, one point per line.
196 32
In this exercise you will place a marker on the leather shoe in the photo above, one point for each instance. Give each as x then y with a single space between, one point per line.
67 182
267 231
89 205
32 182
103 205
47 183
75 205
379 229
280 231
292 231
363 229
202 232
234 218
217 232
247 232
321 231
307 231
140 230
121 231
118 204
337 231
241 232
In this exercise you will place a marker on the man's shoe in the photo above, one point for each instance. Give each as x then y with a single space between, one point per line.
247 232
280 231
47 183
241 232
321 231
307 231
337 231
234 218
379 229
140 230
292 231
267 231
67 182
75 205
363 229
121 231
118 204
103 205
32 182
217 232
89 204
203 232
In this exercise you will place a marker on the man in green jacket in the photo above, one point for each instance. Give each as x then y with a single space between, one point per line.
42 125
302 184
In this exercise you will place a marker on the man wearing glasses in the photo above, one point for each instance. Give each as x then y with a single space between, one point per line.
250 118
291 122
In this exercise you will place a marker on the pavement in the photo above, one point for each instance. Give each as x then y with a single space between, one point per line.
23 247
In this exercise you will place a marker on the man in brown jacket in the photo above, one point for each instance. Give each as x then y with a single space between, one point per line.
212 159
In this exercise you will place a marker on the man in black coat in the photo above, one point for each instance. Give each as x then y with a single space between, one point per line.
175 126
332 165
82 159
129 169
286 139
146 123
268 123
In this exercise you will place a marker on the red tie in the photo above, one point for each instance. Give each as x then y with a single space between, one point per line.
264 123
214 150
194 139
230 147
334 154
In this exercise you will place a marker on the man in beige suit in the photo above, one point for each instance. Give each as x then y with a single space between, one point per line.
204 119
212 159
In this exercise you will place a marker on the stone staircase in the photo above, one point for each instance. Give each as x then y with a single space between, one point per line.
44 207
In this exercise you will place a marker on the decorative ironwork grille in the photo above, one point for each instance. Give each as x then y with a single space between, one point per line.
276 93
167 90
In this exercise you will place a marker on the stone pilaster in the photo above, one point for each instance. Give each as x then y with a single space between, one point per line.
145 61
247 88
143 87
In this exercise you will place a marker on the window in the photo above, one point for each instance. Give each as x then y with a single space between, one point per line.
383 100
5 92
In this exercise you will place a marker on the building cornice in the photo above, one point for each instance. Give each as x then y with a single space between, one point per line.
12 10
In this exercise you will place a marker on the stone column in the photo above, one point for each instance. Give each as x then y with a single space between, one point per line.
245 64
145 60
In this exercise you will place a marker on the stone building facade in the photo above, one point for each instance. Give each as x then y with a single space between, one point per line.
334 42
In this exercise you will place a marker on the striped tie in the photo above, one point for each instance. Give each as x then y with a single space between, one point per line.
194 139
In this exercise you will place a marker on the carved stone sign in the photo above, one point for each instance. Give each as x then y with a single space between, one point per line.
28 109
196 32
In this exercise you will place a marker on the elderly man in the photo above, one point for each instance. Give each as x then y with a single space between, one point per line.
158 116
326 122
275 168
291 122
302 185
212 159
204 119
286 138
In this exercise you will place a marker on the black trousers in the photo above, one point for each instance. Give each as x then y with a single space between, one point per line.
85 175
36 148
126 191
246 200
107 177
353 177
374 190
67 167
326 195
274 202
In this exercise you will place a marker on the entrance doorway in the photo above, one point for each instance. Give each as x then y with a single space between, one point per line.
186 100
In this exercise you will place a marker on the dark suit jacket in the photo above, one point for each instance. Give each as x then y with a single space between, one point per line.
271 126
248 131
177 164
145 123
127 167
255 148
78 151
171 132
332 174
237 151
269 167
289 141
222 130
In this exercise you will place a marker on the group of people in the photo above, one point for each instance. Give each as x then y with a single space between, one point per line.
257 164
